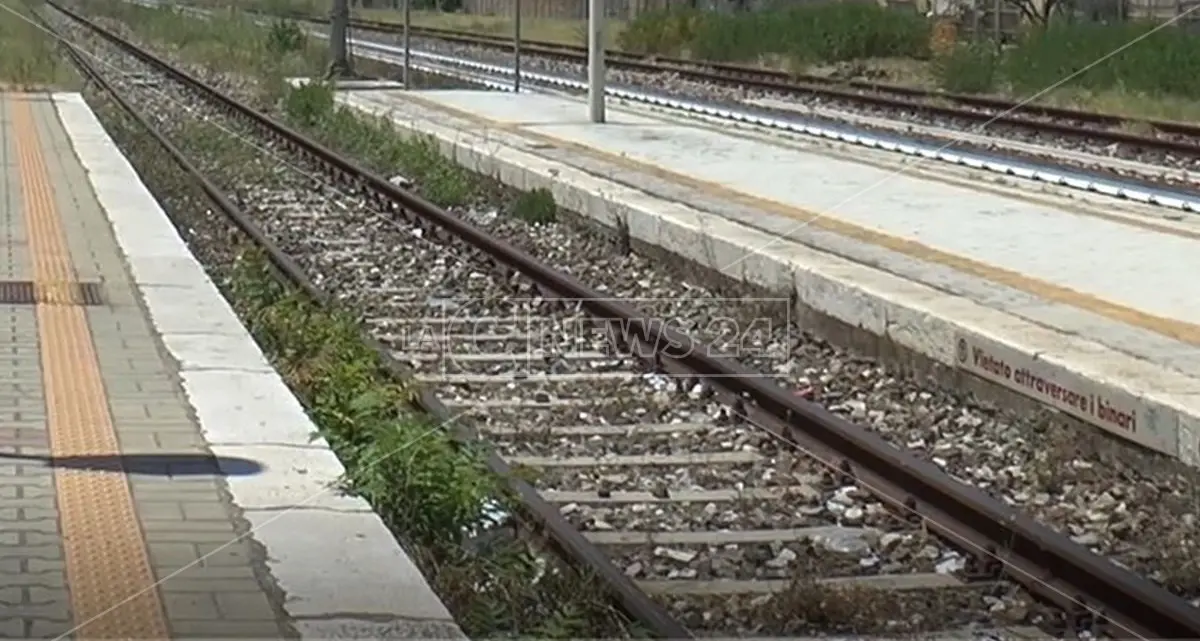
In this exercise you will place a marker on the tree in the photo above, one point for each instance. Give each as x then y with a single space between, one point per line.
1036 12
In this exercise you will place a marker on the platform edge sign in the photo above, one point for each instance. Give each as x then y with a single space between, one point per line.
1120 413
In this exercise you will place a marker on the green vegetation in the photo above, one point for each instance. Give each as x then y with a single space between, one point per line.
558 30
228 43
1151 76
276 7
1158 75
29 59
432 491
265 56
307 106
969 68
285 36
803 34
409 468
378 144
536 206
435 14
1166 62
1154 78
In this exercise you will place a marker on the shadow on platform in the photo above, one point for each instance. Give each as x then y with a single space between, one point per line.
148 464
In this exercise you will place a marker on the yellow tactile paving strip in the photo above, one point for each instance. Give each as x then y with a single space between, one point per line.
108 567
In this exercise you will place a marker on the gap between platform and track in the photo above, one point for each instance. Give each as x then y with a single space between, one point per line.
545 517
1041 559
1162 405
361 583
1054 175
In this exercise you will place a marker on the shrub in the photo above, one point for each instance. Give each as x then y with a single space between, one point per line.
411 471
968 69
660 32
811 33
285 36
309 105
1160 62
376 142
536 206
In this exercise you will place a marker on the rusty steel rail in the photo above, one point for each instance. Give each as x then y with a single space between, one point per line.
1096 594
538 513
1180 137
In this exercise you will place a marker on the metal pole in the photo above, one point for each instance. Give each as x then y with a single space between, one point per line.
339 27
996 8
407 48
976 18
517 46
596 60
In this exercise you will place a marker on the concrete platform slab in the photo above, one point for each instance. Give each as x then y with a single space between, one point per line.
215 351
184 314
300 477
258 412
356 550
161 383
367 85
1080 302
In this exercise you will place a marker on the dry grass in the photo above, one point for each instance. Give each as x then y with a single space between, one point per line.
899 71
917 73
891 70
559 31
29 60
247 55
1127 104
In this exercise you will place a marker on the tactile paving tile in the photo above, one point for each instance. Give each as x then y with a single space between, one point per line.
113 590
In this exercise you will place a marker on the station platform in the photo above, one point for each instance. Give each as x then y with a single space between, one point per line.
1040 294
159 480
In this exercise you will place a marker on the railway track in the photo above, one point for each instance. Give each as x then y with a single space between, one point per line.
1174 143
1079 163
738 506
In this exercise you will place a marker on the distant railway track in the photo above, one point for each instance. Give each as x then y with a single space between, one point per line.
1077 163
650 449
1155 136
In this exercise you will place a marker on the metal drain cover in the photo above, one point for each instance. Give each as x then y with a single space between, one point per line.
26 292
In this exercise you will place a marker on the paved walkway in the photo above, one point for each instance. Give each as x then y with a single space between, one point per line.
89 391
108 484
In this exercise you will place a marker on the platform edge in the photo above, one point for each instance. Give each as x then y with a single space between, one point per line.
916 317
350 591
